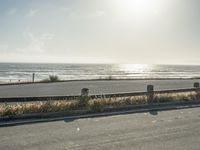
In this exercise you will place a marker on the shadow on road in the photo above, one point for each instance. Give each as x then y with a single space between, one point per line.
69 120
154 113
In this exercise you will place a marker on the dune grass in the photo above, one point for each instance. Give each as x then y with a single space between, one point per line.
92 105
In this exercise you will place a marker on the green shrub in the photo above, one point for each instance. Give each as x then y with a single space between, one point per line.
96 106
83 101
53 78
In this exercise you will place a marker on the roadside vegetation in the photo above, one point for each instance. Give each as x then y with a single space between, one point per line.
91 105
51 78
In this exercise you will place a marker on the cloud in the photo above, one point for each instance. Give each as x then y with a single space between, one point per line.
3 48
100 13
96 14
32 13
12 11
36 44
89 15
47 36
65 9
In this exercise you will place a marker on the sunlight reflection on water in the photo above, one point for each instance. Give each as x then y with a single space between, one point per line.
12 72
131 68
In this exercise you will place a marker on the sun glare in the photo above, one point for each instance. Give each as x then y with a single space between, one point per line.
138 8
132 68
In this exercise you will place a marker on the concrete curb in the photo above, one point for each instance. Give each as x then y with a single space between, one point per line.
112 113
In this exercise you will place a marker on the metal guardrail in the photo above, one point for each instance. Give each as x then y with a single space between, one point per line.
46 98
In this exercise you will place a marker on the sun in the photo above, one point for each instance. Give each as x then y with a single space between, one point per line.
139 9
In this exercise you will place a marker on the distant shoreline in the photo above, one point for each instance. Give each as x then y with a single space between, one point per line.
23 73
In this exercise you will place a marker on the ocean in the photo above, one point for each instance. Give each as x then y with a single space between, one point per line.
15 72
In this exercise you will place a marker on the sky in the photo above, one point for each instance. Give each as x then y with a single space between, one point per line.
100 31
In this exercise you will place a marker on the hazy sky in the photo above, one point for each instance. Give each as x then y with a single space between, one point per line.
100 31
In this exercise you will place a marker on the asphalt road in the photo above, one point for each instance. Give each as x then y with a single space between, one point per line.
96 87
176 129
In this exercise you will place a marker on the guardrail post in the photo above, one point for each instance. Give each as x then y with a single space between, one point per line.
84 98
196 85
150 93
84 92
197 88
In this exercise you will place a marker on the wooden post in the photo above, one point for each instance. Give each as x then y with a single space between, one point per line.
84 98
33 77
196 85
85 92
150 94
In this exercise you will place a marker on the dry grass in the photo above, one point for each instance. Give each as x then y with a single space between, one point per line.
95 105
176 97
37 107
98 104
